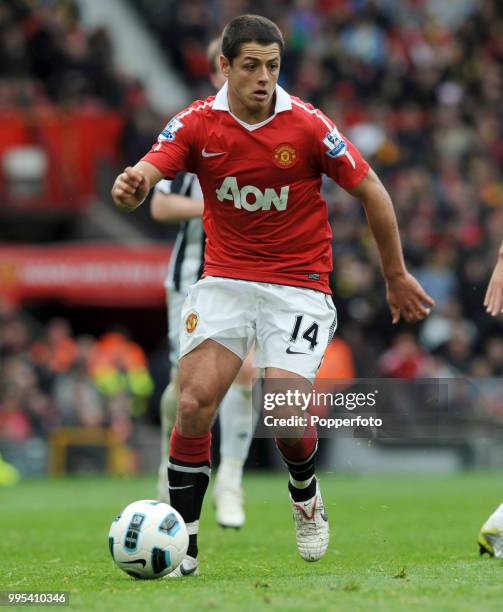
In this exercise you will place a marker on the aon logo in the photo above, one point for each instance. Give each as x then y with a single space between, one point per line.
250 197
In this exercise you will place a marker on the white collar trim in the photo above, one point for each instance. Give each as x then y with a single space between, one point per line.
283 100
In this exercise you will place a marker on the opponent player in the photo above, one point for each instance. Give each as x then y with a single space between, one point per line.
259 154
491 534
182 200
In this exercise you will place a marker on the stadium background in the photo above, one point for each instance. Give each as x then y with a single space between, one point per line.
85 88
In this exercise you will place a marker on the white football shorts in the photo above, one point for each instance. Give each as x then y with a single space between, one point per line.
291 326
175 301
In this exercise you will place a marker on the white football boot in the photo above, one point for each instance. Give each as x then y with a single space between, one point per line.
311 527
229 506
188 567
491 535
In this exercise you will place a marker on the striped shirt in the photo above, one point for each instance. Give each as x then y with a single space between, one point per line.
187 260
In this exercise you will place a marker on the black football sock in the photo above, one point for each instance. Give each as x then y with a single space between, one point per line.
300 460
189 475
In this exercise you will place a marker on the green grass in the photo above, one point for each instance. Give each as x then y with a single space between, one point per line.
397 544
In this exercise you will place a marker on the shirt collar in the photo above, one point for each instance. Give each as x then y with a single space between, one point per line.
283 100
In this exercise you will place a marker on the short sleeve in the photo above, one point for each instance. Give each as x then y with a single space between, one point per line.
335 155
172 151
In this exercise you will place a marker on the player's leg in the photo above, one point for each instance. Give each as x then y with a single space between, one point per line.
295 328
237 423
216 335
169 402
205 375
298 448
169 398
491 534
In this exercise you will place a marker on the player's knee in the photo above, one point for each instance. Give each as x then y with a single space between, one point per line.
188 406
195 414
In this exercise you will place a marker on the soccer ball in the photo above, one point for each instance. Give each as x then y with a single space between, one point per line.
148 539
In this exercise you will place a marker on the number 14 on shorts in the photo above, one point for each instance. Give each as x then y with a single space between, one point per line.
307 331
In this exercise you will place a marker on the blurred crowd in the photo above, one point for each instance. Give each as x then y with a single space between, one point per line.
49 378
47 59
416 84
50 62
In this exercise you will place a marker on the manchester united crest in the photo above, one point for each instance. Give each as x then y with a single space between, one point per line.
191 322
285 156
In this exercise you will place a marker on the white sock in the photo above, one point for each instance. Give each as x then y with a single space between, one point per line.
169 402
229 473
237 423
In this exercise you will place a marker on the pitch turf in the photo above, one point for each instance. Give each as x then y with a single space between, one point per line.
397 544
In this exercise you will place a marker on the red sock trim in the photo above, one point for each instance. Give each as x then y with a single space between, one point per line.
303 448
190 450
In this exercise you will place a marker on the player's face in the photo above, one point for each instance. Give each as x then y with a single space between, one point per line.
252 78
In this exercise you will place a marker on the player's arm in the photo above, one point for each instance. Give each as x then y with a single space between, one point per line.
404 294
169 155
173 208
132 186
493 300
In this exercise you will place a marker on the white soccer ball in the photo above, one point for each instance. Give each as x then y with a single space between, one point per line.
148 539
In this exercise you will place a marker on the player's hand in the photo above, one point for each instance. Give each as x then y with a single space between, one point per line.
493 300
407 298
130 189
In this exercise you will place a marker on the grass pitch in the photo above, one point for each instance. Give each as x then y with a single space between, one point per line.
397 544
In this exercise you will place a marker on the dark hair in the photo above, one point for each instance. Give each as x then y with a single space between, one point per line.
249 28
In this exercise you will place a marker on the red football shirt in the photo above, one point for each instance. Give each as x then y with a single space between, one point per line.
264 217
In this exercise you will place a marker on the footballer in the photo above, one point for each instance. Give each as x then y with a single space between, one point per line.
259 154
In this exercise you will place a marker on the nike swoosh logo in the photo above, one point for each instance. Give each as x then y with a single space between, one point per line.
206 153
177 488
142 561
187 572
290 352
303 509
